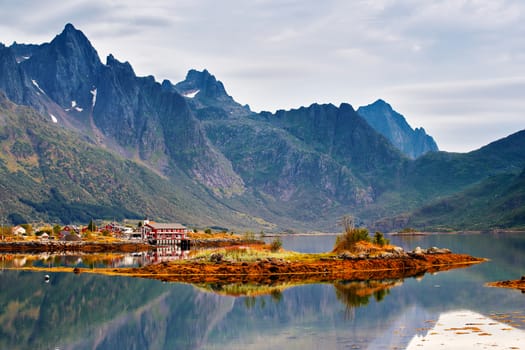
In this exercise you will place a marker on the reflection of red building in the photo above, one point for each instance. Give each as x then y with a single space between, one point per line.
164 234
166 253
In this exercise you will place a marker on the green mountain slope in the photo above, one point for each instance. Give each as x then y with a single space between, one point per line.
49 173
440 174
497 202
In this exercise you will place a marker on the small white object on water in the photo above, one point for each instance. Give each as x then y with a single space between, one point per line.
46 278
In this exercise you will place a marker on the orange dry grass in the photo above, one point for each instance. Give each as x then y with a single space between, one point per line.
219 235
367 247
516 284
272 270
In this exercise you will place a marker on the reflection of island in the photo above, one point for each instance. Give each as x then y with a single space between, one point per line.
351 293
357 293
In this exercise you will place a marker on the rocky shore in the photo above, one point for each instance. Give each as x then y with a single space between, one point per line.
325 267
51 246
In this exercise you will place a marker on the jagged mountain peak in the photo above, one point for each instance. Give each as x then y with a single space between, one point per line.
73 42
65 69
346 106
70 28
126 67
207 96
391 124
203 84
385 107
381 102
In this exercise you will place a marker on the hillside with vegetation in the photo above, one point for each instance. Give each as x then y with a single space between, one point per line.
51 174
84 139
496 203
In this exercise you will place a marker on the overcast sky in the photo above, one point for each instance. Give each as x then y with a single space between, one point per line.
454 67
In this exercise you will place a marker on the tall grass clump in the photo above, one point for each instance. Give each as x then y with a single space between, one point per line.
350 236
276 245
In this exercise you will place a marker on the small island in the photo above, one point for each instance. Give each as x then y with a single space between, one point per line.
233 259
513 284
259 264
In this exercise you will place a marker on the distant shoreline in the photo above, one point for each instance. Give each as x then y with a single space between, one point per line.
463 232
415 233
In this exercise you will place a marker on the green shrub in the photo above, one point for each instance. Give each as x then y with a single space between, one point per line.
56 229
380 239
208 231
276 244
347 240
351 235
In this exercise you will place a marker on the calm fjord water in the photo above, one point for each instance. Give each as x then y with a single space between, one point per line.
451 309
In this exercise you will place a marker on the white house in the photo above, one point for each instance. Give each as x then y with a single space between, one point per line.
18 230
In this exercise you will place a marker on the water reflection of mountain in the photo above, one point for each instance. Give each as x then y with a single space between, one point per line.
97 312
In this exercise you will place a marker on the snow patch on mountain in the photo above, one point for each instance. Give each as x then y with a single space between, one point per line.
37 86
94 100
191 94
74 107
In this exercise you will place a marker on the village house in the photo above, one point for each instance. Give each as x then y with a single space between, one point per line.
118 229
163 234
18 231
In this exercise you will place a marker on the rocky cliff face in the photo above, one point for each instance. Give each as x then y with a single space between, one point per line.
66 68
312 162
114 108
340 133
392 125
11 78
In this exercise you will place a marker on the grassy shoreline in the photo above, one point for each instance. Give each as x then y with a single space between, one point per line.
258 264
260 267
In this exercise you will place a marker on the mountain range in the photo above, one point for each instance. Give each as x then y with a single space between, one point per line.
82 139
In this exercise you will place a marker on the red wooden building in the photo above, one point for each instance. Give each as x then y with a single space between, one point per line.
164 234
